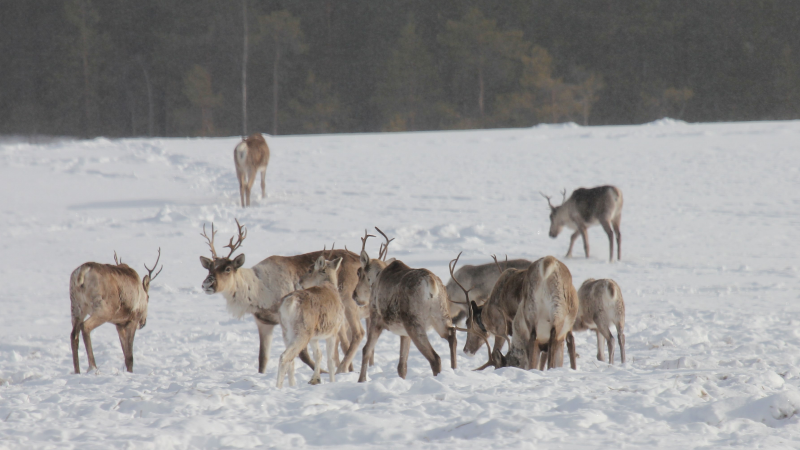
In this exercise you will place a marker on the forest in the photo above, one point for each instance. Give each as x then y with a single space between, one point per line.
119 68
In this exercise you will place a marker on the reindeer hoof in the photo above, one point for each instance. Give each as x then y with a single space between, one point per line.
315 381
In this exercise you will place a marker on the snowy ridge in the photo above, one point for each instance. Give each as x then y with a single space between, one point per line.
710 276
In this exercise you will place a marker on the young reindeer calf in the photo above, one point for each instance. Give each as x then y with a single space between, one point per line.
108 293
311 314
601 305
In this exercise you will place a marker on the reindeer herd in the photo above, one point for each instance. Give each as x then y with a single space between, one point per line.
532 307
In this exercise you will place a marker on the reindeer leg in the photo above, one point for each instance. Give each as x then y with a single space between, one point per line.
572 242
607 228
573 357
330 346
369 349
603 328
286 362
420 339
402 365
316 379
129 330
251 179
601 342
263 184
585 236
86 328
242 182
77 324
552 350
497 352
357 332
615 224
264 344
621 339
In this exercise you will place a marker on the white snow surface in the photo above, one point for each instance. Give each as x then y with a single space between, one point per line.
709 275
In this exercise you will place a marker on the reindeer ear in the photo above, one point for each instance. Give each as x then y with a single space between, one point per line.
146 283
337 263
238 261
319 263
206 263
475 308
364 259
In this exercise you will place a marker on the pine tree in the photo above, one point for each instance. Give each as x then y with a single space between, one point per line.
409 86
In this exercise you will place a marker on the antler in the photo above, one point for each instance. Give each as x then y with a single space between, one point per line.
498 264
330 254
364 239
210 240
563 196
150 271
452 267
241 237
548 199
116 260
384 250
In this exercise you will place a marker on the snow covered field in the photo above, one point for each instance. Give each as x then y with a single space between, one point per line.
710 275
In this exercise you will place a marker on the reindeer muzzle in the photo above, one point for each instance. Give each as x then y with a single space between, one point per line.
209 285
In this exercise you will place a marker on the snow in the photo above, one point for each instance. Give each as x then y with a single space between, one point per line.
709 275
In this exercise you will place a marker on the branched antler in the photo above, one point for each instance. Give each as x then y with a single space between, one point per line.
548 199
364 240
498 264
242 234
452 267
117 261
210 240
384 250
563 196
150 271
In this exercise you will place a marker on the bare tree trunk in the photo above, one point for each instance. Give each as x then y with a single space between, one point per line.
150 107
85 57
480 95
244 70
275 92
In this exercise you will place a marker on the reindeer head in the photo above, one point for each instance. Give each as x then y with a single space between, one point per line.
145 282
221 271
370 268
557 215
322 271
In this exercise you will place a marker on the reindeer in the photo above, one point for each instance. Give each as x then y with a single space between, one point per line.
584 208
251 156
310 314
108 293
407 302
494 318
601 305
545 317
482 279
258 290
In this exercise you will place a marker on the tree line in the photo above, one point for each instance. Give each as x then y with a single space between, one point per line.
172 68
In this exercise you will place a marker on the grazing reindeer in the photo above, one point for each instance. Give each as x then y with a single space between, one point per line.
251 156
310 314
584 208
258 290
108 293
407 302
481 280
601 305
545 317
495 317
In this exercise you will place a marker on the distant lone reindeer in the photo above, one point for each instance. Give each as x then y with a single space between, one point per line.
108 293
584 208
251 156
